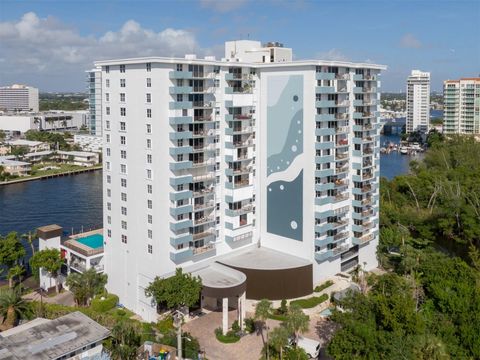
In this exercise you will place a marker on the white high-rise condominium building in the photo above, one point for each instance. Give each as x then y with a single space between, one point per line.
19 98
254 165
94 88
461 109
418 101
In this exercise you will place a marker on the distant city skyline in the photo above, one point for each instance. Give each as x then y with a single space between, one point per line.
49 45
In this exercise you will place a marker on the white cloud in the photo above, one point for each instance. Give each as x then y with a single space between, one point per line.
332 54
47 50
410 41
222 6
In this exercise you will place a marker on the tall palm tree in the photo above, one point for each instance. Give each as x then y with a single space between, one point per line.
262 311
279 339
297 321
12 308
31 236
124 342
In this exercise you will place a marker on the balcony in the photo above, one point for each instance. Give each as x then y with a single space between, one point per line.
242 116
237 212
339 183
341 130
340 236
342 142
203 249
180 89
233 76
203 104
326 254
179 120
324 89
203 206
324 76
203 118
341 169
325 103
238 90
341 156
182 165
363 240
239 171
204 220
239 130
341 197
180 75
176 105
237 184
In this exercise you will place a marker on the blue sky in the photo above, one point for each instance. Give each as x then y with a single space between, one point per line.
49 44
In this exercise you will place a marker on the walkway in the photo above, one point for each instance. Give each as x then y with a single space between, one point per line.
64 298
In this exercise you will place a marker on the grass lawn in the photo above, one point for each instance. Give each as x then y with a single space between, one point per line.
310 302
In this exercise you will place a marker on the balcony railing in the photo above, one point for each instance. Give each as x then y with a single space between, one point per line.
203 249
340 197
242 116
204 219
341 156
341 129
342 142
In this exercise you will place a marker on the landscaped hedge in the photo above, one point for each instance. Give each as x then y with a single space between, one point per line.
323 286
310 302
229 338
109 302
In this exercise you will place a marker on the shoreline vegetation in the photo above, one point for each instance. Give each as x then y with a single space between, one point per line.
53 173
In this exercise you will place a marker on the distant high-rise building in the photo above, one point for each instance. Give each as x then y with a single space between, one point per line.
251 164
19 98
418 101
461 109
94 88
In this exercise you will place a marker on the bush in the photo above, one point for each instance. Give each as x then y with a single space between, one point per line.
148 333
279 317
108 303
190 348
310 302
249 325
323 286
229 338
121 312
283 307
165 325
235 326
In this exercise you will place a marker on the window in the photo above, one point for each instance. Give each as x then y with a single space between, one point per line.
149 143
149 82
180 187
150 249
108 138
107 125
107 110
108 165
123 111
150 204
122 82
107 97
123 155
109 206
123 168
149 98
109 233
122 97
123 126
149 113
109 192
108 151
122 68
149 128
149 188
149 219
123 182
109 219
149 174
150 233
149 158
123 140
124 238
109 179
124 210
180 157
124 225
179 67
107 82
124 196
149 67
107 69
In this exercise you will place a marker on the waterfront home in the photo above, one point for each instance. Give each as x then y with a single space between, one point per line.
4 149
72 336
32 146
14 167
81 158
39 156
80 252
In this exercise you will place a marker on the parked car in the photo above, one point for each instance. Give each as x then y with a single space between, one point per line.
311 347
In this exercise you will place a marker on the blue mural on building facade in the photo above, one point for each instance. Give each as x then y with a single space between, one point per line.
284 146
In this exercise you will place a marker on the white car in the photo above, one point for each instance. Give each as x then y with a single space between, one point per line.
311 347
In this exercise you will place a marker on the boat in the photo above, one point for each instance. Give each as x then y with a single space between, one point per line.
404 151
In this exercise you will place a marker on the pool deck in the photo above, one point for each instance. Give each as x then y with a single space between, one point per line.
73 244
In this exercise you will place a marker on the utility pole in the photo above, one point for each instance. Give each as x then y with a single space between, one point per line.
178 324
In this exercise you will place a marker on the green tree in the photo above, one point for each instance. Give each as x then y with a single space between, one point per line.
15 272
49 260
297 321
2 136
279 339
263 310
124 341
176 291
86 285
11 251
12 308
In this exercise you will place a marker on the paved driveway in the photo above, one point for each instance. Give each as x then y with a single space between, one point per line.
64 298
249 346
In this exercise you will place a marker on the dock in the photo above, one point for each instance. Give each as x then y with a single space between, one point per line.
51 176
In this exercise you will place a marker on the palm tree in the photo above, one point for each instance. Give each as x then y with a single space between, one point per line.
30 237
64 123
279 339
297 322
262 312
86 285
12 308
15 272
124 342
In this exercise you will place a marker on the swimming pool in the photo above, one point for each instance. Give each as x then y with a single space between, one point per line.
94 241
326 313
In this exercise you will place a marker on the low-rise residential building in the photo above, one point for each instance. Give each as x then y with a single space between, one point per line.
4 149
33 146
88 142
14 167
72 336
81 158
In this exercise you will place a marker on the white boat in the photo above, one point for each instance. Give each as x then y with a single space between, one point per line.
403 151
